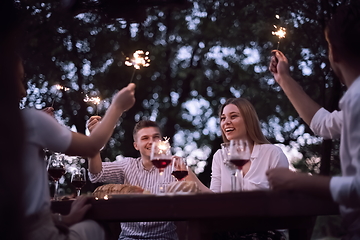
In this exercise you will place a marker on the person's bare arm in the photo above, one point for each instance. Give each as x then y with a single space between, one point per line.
304 105
282 179
95 164
89 146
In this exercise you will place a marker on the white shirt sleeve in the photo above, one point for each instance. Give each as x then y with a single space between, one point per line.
346 189
46 131
111 172
327 125
215 184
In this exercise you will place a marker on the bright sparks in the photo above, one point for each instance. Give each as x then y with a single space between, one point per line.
280 33
140 59
59 87
93 100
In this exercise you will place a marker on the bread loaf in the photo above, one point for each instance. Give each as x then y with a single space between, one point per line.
182 187
108 189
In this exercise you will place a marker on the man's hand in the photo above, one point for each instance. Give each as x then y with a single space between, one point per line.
92 122
77 211
279 66
282 178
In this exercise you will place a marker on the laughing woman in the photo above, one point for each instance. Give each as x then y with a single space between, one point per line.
238 120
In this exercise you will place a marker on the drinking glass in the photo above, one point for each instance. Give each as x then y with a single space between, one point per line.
239 154
161 158
56 170
225 153
179 168
78 179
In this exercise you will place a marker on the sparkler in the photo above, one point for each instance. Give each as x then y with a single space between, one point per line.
58 87
280 33
140 59
164 146
93 100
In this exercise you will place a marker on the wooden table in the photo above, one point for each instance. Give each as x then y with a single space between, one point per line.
205 214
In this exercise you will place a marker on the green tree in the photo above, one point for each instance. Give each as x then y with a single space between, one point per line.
200 55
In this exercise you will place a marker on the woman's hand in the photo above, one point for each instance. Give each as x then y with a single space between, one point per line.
125 98
77 211
48 110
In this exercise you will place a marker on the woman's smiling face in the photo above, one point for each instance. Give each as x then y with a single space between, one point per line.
232 123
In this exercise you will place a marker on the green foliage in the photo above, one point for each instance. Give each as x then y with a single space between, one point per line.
199 57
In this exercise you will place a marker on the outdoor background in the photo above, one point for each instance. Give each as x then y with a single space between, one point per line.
202 52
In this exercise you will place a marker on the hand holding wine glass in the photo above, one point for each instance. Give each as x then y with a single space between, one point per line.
78 180
56 170
179 168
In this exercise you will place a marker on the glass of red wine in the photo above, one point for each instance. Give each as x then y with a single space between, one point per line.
225 153
239 155
161 158
179 168
78 180
56 169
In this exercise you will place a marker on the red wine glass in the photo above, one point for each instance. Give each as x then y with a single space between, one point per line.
225 153
179 168
161 158
78 180
56 169
239 155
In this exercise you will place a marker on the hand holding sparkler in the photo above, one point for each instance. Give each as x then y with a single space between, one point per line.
125 98
140 59
279 66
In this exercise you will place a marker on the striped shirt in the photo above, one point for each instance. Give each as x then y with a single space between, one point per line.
131 171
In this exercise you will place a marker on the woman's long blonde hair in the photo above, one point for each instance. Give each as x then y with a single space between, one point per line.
250 117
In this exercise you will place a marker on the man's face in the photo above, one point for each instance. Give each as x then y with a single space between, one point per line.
144 139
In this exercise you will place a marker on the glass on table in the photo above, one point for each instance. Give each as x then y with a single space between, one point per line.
56 169
225 153
161 158
78 180
239 154
179 168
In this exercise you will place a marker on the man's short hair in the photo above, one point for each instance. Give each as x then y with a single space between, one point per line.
343 30
144 124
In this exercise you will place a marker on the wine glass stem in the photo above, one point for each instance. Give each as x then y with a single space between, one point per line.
233 182
78 192
161 182
56 190
240 177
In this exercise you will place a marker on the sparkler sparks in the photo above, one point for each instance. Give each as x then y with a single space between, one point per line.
93 100
163 146
58 88
280 33
140 59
